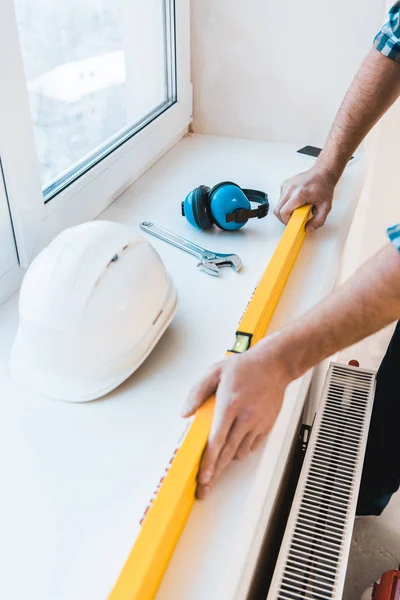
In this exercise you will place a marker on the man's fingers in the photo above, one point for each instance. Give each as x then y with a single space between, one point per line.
201 392
208 462
245 446
238 432
260 439
290 199
218 456
202 491
220 428
282 201
319 218
207 469
288 209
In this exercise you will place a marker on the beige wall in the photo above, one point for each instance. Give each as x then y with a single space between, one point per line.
276 69
378 208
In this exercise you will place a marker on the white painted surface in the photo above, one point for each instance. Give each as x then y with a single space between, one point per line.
9 282
8 253
76 478
17 145
277 70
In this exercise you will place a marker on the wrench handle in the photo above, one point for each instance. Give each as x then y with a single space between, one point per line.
175 240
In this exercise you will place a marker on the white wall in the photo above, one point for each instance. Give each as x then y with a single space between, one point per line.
276 69
8 254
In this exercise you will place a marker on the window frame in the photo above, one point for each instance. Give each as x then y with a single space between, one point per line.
8 253
35 222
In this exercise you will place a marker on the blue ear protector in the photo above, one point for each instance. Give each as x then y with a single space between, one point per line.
225 205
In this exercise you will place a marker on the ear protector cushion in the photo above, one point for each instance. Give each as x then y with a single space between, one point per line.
224 199
196 208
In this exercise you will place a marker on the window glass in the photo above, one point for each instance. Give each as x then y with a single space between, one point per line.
96 71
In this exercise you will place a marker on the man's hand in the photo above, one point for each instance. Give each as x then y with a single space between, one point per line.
249 393
374 89
314 187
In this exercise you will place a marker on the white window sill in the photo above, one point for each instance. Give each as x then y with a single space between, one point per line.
76 478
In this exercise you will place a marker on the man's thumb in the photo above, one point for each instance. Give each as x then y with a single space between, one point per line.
200 393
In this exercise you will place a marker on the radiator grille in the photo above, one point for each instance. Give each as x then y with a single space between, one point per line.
314 553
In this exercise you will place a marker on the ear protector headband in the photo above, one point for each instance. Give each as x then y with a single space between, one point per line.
226 205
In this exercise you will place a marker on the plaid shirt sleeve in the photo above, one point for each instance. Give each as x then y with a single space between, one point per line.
388 39
394 235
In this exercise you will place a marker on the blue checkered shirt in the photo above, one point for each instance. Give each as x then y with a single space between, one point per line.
394 235
388 39
388 43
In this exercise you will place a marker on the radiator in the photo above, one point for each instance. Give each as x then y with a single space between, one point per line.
312 562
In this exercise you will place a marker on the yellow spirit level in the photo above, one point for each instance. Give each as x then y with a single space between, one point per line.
170 508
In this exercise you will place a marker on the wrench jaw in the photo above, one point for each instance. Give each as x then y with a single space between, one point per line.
230 260
227 260
235 262
212 266
209 267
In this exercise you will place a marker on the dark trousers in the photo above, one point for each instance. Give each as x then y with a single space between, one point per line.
381 473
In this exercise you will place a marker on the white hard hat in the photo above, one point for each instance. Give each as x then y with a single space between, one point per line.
92 306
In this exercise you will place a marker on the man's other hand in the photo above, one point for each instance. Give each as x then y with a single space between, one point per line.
314 187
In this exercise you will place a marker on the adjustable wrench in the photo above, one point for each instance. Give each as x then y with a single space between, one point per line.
210 262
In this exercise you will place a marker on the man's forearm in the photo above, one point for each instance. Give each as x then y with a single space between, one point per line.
369 301
374 89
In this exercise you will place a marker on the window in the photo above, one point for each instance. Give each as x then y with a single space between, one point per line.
96 72
92 93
